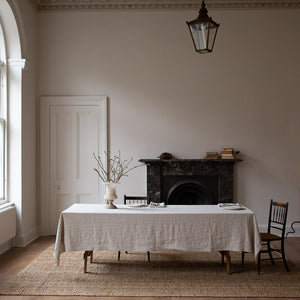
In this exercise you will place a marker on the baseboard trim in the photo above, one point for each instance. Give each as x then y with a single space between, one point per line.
291 232
25 239
6 246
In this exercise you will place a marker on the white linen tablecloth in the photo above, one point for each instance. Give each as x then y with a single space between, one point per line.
179 227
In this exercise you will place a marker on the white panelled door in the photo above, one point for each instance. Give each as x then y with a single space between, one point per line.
76 127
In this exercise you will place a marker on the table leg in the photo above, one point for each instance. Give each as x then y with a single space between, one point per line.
227 262
85 256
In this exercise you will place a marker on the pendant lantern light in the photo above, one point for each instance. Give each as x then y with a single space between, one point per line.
203 31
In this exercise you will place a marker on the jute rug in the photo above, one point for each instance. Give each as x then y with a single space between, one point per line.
170 273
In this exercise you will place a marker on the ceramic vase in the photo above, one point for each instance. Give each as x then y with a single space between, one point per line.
110 194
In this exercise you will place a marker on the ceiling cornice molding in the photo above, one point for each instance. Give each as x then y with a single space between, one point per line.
164 4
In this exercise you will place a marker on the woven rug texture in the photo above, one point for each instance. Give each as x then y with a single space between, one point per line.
170 273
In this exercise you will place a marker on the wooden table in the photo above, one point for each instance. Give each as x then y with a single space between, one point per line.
89 227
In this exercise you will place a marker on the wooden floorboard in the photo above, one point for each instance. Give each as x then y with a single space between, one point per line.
16 259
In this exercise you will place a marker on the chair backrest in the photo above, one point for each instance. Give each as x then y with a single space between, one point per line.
277 217
135 199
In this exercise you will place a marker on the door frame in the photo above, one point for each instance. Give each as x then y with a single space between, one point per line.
46 103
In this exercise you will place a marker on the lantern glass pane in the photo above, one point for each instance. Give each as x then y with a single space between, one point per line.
199 33
212 35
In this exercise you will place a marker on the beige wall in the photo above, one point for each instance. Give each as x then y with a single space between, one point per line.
163 96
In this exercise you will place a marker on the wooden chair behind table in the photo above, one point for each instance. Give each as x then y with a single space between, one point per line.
135 200
276 224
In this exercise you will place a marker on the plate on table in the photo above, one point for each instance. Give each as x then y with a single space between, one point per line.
231 206
137 205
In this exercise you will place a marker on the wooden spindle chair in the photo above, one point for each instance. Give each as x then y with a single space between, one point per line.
135 200
276 223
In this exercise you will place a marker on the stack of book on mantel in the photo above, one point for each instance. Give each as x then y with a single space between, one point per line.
227 153
212 155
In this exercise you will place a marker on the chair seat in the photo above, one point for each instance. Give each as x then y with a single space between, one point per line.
269 236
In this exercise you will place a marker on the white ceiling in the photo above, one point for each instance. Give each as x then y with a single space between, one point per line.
164 4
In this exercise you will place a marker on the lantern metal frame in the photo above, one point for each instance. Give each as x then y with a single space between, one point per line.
204 19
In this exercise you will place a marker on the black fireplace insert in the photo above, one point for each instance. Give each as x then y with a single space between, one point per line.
190 181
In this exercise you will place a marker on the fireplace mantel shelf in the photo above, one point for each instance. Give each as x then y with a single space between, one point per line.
176 160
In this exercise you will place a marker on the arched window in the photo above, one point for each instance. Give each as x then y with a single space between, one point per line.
12 65
3 117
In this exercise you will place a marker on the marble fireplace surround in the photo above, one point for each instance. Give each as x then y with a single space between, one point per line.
215 176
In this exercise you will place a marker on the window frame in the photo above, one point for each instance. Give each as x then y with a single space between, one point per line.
3 118
3 198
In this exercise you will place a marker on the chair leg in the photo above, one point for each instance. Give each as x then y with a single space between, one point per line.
258 263
119 254
222 254
148 254
283 257
270 253
243 258
285 263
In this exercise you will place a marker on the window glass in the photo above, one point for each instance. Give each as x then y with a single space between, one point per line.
2 159
2 117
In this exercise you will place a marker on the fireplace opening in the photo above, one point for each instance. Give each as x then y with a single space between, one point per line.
189 193
191 190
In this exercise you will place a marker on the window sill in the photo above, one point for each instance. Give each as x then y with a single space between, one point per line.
6 205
